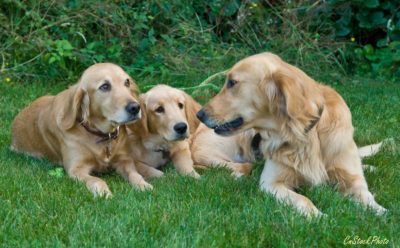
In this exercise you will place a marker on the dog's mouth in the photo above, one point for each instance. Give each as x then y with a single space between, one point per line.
224 129
130 120
229 127
178 137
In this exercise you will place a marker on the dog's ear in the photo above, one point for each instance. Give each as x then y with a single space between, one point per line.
75 107
299 101
191 108
134 88
142 125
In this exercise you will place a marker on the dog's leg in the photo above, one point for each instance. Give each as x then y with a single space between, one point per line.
354 184
147 171
96 185
213 160
183 162
238 169
274 180
126 168
348 173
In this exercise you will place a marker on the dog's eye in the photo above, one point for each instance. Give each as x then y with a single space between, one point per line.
127 83
230 83
160 109
105 87
180 105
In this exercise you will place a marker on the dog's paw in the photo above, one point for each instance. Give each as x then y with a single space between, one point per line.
312 214
143 186
245 169
194 174
99 188
237 174
379 210
156 174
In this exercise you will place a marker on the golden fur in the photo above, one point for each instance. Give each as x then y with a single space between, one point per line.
237 152
51 127
306 128
233 152
154 141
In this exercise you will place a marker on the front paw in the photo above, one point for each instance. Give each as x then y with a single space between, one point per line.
143 186
379 210
245 169
194 174
156 174
99 188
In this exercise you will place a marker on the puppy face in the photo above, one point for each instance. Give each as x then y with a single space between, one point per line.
166 110
264 92
109 95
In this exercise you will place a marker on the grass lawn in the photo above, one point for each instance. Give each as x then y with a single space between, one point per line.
38 209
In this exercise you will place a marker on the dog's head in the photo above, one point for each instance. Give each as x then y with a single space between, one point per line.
105 96
262 91
169 112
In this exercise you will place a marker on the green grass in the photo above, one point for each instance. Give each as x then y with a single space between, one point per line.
37 209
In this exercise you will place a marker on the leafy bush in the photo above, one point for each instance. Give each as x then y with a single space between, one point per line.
375 26
164 40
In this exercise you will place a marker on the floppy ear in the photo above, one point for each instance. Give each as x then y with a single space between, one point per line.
134 88
191 108
141 126
76 106
296 99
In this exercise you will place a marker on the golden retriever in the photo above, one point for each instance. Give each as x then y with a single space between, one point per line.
83 127
237 152
306 129
168 119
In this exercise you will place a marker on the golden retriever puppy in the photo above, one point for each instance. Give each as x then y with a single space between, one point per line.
83 127
306 129
236 152
168 119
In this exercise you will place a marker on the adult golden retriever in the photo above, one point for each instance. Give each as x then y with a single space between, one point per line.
237 152
83 127
306 129
168 119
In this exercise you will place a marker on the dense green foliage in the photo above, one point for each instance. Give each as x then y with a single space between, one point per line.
58 39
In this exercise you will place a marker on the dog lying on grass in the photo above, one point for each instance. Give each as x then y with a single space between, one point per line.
168 119
83 127
305 126
238 152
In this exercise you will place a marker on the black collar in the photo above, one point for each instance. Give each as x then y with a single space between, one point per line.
104 136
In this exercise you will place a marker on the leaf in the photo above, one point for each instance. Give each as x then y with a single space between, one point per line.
382 42
231 8
342 31
378 18
368 49
371 3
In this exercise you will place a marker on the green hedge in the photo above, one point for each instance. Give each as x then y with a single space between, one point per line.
58 39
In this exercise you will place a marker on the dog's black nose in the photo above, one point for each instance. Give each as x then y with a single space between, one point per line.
201 115
180 128
132 108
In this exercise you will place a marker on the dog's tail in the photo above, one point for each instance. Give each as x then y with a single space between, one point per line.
369 150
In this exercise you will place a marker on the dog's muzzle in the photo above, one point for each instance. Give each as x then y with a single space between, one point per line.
221 129
228 127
